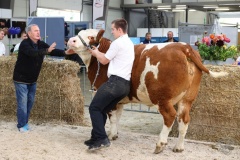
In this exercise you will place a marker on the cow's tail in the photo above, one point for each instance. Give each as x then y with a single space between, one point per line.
195 57
217 74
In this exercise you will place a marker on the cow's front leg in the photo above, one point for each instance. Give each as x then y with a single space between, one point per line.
114 118
169 114
162 140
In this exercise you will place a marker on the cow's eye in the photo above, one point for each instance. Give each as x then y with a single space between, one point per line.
74 41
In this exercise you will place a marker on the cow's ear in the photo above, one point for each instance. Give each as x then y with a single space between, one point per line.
90 38
99 35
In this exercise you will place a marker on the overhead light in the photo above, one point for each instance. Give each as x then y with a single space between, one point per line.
178 10
222 9
231 4
210 6
192 10
181 6
166 6
163 8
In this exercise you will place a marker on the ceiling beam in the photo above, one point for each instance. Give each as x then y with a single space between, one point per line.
232 5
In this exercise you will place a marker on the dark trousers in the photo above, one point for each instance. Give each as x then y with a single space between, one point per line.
106 98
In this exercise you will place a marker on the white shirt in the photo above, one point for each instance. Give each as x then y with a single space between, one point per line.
121 55
238 59
16 47
2 49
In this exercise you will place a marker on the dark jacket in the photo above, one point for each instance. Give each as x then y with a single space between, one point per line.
30 59
174 40
146 41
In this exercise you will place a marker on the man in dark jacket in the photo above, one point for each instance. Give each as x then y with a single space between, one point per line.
27 68
170 37
148 37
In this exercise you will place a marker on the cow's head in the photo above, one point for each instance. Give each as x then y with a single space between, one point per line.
90 37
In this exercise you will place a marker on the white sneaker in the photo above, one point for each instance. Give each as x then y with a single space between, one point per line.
23 129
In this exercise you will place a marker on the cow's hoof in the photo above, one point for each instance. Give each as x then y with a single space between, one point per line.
159 149
113 137
177 150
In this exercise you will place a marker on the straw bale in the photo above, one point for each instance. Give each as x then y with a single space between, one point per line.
215 114
58 95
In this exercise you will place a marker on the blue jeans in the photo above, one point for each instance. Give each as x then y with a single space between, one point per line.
106 98
25 94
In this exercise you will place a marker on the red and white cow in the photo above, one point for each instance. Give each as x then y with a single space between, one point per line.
163 75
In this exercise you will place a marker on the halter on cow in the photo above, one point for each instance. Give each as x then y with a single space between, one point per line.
163 75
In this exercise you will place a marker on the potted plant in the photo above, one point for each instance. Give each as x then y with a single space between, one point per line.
214 48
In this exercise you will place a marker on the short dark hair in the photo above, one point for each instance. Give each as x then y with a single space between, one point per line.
121 23
148 33
23 32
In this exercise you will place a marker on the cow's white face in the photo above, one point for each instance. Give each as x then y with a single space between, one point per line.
76 44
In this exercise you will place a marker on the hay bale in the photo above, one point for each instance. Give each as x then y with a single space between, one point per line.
58 95
215 114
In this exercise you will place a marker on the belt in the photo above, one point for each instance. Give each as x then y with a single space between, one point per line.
114 77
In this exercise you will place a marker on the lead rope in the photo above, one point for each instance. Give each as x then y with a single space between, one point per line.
92 89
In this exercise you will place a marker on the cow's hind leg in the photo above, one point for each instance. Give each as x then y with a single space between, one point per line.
114 117
169 114
183 121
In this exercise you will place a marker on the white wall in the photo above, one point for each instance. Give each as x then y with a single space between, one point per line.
20 9
197 17
194 17
61 4
129 2
115 3
86 14
112 14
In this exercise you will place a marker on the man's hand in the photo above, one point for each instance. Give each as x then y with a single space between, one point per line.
94 51
99 55
69 51
52 47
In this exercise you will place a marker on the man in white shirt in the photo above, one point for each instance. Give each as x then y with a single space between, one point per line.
2 46
120 57
23 36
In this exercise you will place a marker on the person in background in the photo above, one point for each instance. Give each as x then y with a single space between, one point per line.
170 37
2 46
120 57
23 36
237 62
26 71
147 39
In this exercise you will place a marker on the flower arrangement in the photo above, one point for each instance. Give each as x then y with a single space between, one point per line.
214 47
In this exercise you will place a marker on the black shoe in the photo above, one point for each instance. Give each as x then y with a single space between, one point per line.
89 142
99 144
